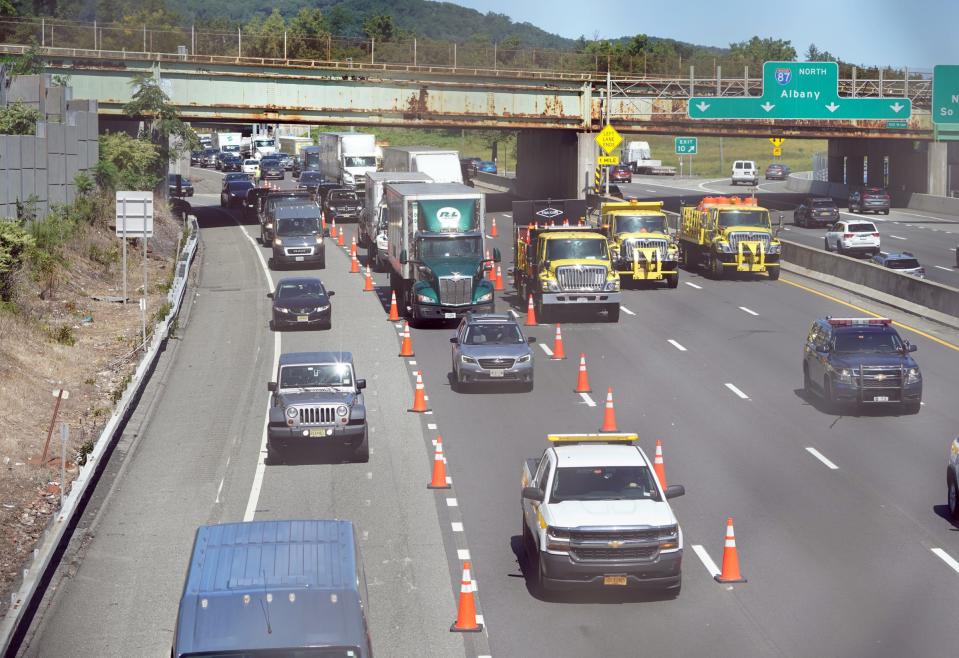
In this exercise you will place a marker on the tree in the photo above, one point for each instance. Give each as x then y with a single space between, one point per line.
15 245
338 20
307 34
754 52
127 163
813 54
18 119
380 27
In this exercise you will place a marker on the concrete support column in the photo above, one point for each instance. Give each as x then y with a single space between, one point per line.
876 151
551 163
854 169
936 169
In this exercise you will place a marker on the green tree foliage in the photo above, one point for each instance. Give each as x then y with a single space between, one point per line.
264 38
15 244
18 119
28 63
127 163
380 27
754 52
307 35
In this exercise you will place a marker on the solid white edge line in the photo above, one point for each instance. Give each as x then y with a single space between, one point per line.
735 390
546 349
676 345
940 267
897 237
706 560
945 557
625 310
747 310
693 285
588 400
818 455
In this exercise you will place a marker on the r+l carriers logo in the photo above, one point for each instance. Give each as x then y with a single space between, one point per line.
448 218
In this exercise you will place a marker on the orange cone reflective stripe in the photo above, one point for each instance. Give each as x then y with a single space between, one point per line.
492 230
498 279
730 572
466 611
658 464
394 315
609 414
582 381
439 480
406 349
559 352
530 313
368 283
419 397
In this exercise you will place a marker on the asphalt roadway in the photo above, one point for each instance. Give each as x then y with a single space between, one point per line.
840 519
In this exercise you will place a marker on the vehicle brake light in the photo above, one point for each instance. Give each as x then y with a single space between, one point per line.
847 235
875 235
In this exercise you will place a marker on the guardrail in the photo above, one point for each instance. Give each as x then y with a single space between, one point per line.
58 531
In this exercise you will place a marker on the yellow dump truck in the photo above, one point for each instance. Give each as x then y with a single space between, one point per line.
729 234
639 242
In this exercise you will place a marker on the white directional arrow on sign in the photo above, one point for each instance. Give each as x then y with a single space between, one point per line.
767 106
832 107
703 106
896 107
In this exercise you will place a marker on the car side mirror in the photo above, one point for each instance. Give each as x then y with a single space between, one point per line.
675 491
455 340
497 257
271 386
531 339
330 293
912 348
533 493
269 295
404 257
360 384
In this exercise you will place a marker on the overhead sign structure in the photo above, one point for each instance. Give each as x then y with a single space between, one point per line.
799 90
945 94
134 214
608 160
686 145
608 139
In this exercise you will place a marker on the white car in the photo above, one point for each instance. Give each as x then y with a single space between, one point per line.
853 236
251 166
745 171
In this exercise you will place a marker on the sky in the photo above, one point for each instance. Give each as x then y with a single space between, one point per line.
913 33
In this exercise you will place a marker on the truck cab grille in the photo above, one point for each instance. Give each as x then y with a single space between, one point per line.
590 278
636 243
456 291
748 236
317 415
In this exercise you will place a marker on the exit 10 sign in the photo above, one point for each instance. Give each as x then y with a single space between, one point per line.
687 145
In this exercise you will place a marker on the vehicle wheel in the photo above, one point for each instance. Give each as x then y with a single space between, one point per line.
773 273
829 401
839 249
826 243
612 313
327 325
885 212
272 454
271 264
715 266
806 382
911 408
528 386
672 280
222 203
528 547
361 453
952 498
321 265
540 309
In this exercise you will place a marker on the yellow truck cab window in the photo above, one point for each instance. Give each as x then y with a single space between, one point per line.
576 248
743 217
640 224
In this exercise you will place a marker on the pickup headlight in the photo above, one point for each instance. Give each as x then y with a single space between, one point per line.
319 239
550 285
612 285
320 309
485 297
424 299
557 539
669 538
774 248
524 358
292 412
846 376
913 376
269 226
282 310
467 359
342 410
277 242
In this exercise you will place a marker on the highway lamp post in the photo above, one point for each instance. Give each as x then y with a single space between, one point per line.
124 241
239 42
144 37
94 35
43 32
193 39
143 301
414 52
372 51
494 55
284 46
454 54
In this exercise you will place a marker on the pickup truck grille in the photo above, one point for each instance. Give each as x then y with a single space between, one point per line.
496 364
630 245
317 415
591 278
748 236
456 291
642 534
624 553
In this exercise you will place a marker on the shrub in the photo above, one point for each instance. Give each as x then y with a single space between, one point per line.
64 335
15 245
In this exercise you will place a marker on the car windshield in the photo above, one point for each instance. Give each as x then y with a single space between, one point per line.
603 483
450 248
493 334
743 218
823 203
342 196
316 375
862 228
297 226
576 248
867 342
902 263
239 185
640 224
310 177
311 289
251 162
359 161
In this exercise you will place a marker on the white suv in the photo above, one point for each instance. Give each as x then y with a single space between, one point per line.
745 171
853 236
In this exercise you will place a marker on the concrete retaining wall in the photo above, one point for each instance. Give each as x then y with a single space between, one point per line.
930 203
798 183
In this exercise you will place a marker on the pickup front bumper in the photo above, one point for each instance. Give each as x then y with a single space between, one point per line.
664 571
750 257
646 270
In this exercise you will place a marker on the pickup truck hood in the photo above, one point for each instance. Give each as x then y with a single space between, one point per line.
319 397
579 513
746 229
449 266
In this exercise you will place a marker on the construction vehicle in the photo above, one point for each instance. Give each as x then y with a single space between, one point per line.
729 234
562 261
640 245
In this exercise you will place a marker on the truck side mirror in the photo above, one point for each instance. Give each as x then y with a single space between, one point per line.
404 257
360 384
454 340
675 491
534 493
497 257
271 386
269 295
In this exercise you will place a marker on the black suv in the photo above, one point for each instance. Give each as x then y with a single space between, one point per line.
342 204
271 168
861 361
873 199
816 211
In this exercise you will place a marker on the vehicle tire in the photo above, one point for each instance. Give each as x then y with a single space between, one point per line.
952 497
528 547
222 203
612 313
911 408
773 273
829 401
672 280
826 244
322 264
885 212
540 309
839 249
715 267
272 454
806 382
361 453
327 325
528 386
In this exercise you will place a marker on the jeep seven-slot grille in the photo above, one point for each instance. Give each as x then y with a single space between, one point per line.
581 277
317 415
455 291
748 236
637 243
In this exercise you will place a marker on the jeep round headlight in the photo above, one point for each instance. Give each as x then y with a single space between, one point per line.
292 412
342 410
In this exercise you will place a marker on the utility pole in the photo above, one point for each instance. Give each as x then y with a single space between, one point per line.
606 108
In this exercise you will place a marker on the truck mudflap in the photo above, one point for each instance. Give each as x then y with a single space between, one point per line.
647 266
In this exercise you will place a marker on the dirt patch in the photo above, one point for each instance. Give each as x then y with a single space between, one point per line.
68 341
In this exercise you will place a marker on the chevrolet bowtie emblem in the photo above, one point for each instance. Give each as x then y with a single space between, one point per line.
615 544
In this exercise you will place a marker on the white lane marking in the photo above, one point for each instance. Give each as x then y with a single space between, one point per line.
735 390
945 557
750 311
706 560
693 285
513 313
479 617
786 228
625 310
546 349
676 345
588 400
818 455
412 363
897 237
451 502
940 267
507 214
463 553
456 526
218 490
431 426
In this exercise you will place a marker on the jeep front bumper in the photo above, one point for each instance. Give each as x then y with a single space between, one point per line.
284 435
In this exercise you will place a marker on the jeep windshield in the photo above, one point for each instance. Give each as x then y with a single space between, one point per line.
729 218
321 375
640 224
867 342
603 483
577 249
493 334
450 247
297 226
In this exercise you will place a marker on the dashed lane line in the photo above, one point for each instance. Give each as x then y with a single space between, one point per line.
945 557
546 349
626 310
588 400
897 237
941 267
732 387
747 310
676 345
706 560
693 285
818 455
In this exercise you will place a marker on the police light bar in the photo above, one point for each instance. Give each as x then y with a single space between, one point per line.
593 438
850 322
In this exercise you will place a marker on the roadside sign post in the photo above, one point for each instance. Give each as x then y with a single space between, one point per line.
688 146
608 139
777 143
134 215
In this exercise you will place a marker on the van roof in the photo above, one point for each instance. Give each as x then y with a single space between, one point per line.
271 585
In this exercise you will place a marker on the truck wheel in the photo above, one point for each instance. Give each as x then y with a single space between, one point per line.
672 280
715 267
806 382
952 498
612 313
272 454
829 401
911 407
540 309
361 453
773 273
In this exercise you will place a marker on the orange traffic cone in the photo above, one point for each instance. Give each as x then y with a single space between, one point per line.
419 397
559 352
406 347
354 264
658 466
394 312
730 572
492 229
466 612
323 222
530 313
340 238
498 279
609 415
353 246
333 227
566 221
582 382
368 282
439 468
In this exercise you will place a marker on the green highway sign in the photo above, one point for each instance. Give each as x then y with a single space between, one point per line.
799 90
945 94
897 123
687 145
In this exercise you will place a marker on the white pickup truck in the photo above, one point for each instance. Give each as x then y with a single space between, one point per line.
594 514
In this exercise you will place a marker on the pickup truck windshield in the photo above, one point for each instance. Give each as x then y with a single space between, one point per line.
297 226
336 195
867 342
578 249
603 483
450 247
743 218
316 375
640 224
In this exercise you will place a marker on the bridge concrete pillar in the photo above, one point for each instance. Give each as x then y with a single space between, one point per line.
854 169
554 163
937 164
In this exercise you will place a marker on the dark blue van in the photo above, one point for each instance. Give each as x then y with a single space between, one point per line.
274 588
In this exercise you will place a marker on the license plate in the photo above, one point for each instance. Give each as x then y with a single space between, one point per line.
299 258
496 373
582 299
449 316
317 433
614 580
880 398
303 318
